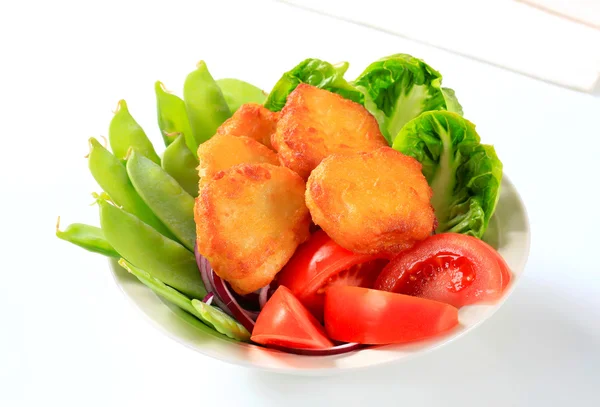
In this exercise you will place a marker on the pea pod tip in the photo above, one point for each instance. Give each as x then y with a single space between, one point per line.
160 87
121 105
201 64
123 263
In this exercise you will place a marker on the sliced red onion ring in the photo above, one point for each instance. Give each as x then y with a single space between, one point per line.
263 295
244 317
205 273
249 302
208 298
223 298
336 350
230 297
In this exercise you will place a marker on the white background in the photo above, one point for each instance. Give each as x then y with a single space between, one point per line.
68 336
500 32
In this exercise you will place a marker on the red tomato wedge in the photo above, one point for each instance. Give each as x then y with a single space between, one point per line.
286 323
372 317
321 263
506 274
449 267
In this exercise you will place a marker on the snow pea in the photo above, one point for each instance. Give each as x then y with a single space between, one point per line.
125 133
88 237
143 246
222 322
182 165
163 194
211 316
168 293
206 107
111 175
238 92
172 117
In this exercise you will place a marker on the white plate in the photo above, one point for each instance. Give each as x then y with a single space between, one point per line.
508 232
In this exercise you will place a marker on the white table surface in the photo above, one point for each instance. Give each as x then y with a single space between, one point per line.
70 338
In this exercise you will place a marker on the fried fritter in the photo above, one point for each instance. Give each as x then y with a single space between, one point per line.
316 123
249 220
224 151
374 202
251 120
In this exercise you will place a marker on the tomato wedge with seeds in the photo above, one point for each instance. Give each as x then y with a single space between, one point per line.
449 267
285 322
321 263
372 317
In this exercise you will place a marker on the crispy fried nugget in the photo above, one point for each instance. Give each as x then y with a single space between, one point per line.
316 123
224 151
251 120
249 220
375 202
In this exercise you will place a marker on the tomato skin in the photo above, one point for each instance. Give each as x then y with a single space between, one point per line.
373 317
448 267
506 273
284 321
320 262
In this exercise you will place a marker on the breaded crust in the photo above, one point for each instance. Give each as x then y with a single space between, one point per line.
373 203
316 123
251 120
249 220
224 151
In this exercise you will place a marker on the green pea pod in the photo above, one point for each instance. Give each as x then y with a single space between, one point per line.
125 133
205 104
163 194
182 165
111 175
222 322
143 246
231 327
172 117
238 92
89 237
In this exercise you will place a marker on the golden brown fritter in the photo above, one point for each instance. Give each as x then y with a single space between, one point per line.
251 120
374 203
224 151
249 220
316 123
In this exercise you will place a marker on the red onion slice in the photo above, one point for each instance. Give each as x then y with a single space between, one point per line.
241 315
247 301
224 299
263 295
336 350
206 272
208 298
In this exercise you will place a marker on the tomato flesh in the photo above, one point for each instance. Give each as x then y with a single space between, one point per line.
372 317
449 267
358 275
285 322
455 273
321 263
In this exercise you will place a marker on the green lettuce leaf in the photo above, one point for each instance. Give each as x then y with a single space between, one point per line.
399 87
464 175
316 73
